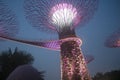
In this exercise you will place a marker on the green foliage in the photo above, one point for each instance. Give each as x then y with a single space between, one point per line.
10 60
113 75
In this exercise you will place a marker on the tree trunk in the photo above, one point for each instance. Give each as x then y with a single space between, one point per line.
73 65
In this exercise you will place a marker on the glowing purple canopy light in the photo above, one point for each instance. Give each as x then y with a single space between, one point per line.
47 13
54 45
113 41
8 21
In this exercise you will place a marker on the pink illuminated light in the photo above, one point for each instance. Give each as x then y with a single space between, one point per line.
63 15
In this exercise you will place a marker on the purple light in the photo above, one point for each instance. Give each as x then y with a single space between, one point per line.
63 15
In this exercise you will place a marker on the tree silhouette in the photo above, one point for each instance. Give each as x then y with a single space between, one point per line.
10 60
113 75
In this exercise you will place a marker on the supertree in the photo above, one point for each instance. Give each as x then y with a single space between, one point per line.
113 41
9 26
62 16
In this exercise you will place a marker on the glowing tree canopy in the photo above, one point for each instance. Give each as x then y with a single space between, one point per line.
62 15
57 14
113 40
8 21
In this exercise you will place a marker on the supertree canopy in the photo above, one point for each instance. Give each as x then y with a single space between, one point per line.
113 41
8 21
56 14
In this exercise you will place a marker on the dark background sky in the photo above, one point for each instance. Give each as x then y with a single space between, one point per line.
105 21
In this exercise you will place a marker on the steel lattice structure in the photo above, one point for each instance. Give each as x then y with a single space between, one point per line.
61 16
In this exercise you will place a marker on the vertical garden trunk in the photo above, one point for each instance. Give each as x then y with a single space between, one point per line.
73 65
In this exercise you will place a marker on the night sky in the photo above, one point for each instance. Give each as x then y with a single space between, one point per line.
106 20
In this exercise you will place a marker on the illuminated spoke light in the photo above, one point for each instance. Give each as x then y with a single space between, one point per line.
63 15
